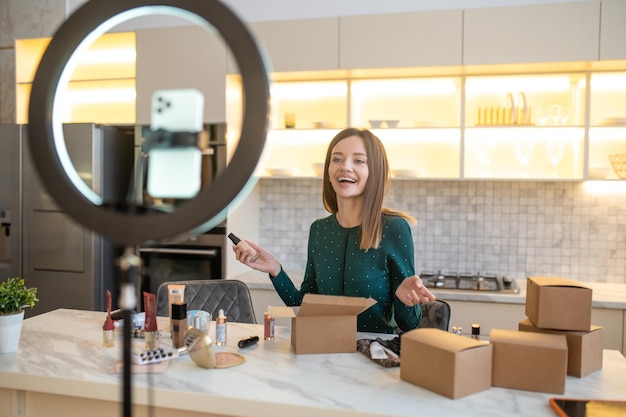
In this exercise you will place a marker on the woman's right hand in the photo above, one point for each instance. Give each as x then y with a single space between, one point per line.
262 260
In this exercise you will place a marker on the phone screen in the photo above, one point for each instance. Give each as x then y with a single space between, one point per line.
567 407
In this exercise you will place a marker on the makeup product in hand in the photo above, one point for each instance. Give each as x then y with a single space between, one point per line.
150 326
220 328
248 342
243 244
179 324
175 294
268 325
108 330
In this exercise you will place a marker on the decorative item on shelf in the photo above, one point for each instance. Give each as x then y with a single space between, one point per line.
318 169
599 173
407 172
393 123
282 171
323 125
509 115
613 121
290 120
14 297
618 163
555 148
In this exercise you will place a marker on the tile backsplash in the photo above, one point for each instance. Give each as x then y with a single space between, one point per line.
514 228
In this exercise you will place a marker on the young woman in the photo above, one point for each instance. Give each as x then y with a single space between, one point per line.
362 249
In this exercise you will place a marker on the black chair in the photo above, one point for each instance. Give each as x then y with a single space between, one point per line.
435 314
232 296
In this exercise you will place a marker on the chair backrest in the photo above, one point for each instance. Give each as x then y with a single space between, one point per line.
435 314
232 296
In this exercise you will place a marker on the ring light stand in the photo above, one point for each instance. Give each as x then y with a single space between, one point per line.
132 226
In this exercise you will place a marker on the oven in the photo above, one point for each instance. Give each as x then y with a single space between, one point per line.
185 257
196 258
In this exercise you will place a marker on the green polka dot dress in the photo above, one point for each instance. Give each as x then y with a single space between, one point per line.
336 266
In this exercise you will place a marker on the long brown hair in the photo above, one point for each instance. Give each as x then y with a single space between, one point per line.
378 183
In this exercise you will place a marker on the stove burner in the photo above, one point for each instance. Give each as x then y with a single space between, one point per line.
468 281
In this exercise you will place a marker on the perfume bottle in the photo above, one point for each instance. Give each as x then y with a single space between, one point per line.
268 324
220 329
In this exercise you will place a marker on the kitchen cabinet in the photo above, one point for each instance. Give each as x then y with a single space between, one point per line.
612 320
507 316
607 119
181 57
613 30
101 87
536 125
559 32
297 45
432 38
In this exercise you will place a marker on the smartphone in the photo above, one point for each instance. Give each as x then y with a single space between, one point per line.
177 110
575 407
175 171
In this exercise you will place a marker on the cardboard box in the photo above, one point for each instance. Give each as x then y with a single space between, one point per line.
558 303
529 361
584 349
327 323
448 364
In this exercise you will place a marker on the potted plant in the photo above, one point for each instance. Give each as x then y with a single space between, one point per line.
14 297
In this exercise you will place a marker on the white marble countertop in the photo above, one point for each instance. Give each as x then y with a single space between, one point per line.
605 295
60 353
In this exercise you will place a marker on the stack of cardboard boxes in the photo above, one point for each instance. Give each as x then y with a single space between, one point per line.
556 339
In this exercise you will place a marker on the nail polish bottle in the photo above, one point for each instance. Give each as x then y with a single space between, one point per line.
220 328
268 325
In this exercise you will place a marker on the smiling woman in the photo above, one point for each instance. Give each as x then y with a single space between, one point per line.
362 249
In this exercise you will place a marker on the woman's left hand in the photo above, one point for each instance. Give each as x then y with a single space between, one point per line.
412 291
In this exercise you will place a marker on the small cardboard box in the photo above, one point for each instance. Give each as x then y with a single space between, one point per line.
558 303
529 361
327 323
584 349
448 364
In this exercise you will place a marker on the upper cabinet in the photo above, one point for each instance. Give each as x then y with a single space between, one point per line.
296 45
560 32
181 57
613 30
431 38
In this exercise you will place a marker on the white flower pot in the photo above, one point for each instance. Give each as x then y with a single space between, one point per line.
10 329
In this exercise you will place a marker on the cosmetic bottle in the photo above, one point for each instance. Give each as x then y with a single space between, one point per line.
268 324
179 324
476 331
220 329
243 244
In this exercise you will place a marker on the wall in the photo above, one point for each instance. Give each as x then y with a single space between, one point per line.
513 228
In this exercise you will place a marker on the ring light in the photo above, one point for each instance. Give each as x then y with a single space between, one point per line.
47 143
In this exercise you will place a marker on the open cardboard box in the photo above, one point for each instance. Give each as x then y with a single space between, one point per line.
445 363
584 349
558 303
327 323
529 361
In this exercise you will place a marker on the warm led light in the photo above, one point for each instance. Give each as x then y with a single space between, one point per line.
109 56
611 187
608 82
308 90
94 96
516 84
407 87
